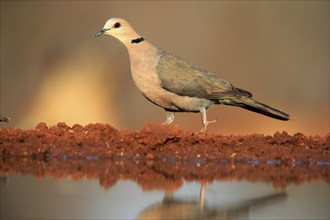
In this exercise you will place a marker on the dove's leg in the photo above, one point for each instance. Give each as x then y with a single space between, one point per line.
204 120
169 118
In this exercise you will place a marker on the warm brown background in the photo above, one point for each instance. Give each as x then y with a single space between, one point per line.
54 69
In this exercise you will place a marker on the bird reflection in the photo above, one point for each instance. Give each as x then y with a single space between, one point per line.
4 179
173 208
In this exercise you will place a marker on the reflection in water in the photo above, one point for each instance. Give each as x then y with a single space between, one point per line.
151 175
174 208
23 197
136 190
3 180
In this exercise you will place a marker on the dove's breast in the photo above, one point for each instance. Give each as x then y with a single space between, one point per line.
144 59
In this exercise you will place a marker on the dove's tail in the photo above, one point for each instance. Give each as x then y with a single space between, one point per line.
255 106
4 119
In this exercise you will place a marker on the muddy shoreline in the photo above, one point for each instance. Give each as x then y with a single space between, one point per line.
160 143
161 157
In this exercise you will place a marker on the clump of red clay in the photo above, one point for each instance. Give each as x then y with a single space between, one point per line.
160 157
159 142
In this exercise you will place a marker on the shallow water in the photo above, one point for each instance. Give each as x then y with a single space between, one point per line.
26 196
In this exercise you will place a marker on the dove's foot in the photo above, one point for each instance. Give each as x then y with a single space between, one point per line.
205 122
169 118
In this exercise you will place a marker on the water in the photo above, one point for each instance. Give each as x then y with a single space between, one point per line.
55 195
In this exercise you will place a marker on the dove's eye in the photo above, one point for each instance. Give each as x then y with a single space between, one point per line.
117 25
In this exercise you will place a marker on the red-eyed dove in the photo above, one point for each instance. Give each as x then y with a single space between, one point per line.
174 83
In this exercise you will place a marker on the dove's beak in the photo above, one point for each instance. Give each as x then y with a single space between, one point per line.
102 31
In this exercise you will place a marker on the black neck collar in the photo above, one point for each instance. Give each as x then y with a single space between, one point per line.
137 40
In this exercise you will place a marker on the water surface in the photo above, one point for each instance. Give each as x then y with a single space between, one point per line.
42 195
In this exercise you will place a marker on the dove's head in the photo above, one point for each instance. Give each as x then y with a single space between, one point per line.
120 29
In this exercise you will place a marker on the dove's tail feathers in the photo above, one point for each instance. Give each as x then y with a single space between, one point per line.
258 107
4 119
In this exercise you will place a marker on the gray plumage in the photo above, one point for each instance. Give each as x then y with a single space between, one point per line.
185 79
176 84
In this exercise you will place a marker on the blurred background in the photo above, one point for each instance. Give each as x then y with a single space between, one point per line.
54 70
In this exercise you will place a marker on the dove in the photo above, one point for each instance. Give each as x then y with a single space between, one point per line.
4 119
177 85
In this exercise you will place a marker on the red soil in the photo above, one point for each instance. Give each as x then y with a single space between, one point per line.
161 156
